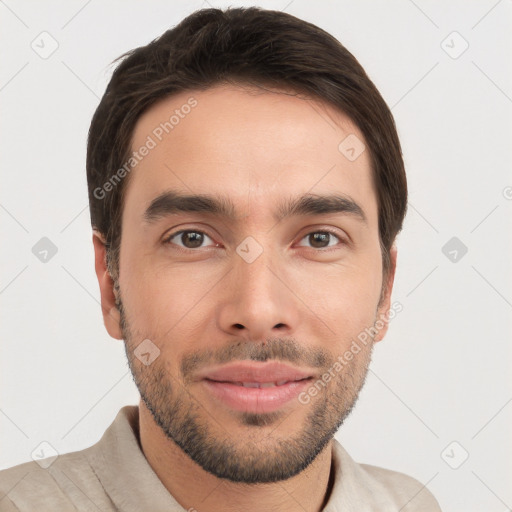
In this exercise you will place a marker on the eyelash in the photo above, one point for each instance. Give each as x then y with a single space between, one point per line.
167 240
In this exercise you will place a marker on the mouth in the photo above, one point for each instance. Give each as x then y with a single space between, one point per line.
255 387
270 384
248 372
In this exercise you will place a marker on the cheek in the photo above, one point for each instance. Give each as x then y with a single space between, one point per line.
345 297
161 300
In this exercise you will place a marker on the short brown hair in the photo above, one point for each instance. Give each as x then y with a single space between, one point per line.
240 45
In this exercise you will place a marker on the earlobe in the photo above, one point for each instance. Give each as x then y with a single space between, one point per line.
111 315
384 307
115 315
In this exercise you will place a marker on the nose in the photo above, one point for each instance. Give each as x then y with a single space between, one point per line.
258 300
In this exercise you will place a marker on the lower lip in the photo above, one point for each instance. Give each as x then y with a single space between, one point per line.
255 400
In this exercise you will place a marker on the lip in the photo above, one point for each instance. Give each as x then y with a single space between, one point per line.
224 384
255 400
249 371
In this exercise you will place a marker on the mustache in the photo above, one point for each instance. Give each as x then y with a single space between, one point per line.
273 349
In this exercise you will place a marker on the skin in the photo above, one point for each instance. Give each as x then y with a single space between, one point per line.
297 302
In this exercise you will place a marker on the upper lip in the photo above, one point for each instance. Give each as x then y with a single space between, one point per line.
252 372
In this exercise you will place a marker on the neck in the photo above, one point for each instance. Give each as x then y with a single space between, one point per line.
197 490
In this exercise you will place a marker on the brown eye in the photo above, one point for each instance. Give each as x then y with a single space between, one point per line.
321 239
190 239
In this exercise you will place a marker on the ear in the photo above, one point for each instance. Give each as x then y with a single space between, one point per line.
385 303
111 316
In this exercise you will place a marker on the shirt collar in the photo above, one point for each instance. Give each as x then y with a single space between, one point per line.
119 462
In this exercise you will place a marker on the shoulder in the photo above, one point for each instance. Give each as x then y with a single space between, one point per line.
50 485
386 490
73 481
410 493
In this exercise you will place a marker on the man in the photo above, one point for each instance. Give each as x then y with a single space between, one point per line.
246 187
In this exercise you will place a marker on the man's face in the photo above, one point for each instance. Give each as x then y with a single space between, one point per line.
209 290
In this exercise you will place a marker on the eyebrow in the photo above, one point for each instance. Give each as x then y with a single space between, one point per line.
172 202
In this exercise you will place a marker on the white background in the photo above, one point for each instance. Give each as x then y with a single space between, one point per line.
442 374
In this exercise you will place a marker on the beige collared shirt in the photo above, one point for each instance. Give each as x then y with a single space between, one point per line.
114 476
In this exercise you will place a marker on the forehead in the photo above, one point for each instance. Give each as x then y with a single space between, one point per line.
248 144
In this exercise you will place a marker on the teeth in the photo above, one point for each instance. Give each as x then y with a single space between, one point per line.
261 384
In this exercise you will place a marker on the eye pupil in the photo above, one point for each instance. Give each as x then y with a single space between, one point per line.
319 237
194 237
